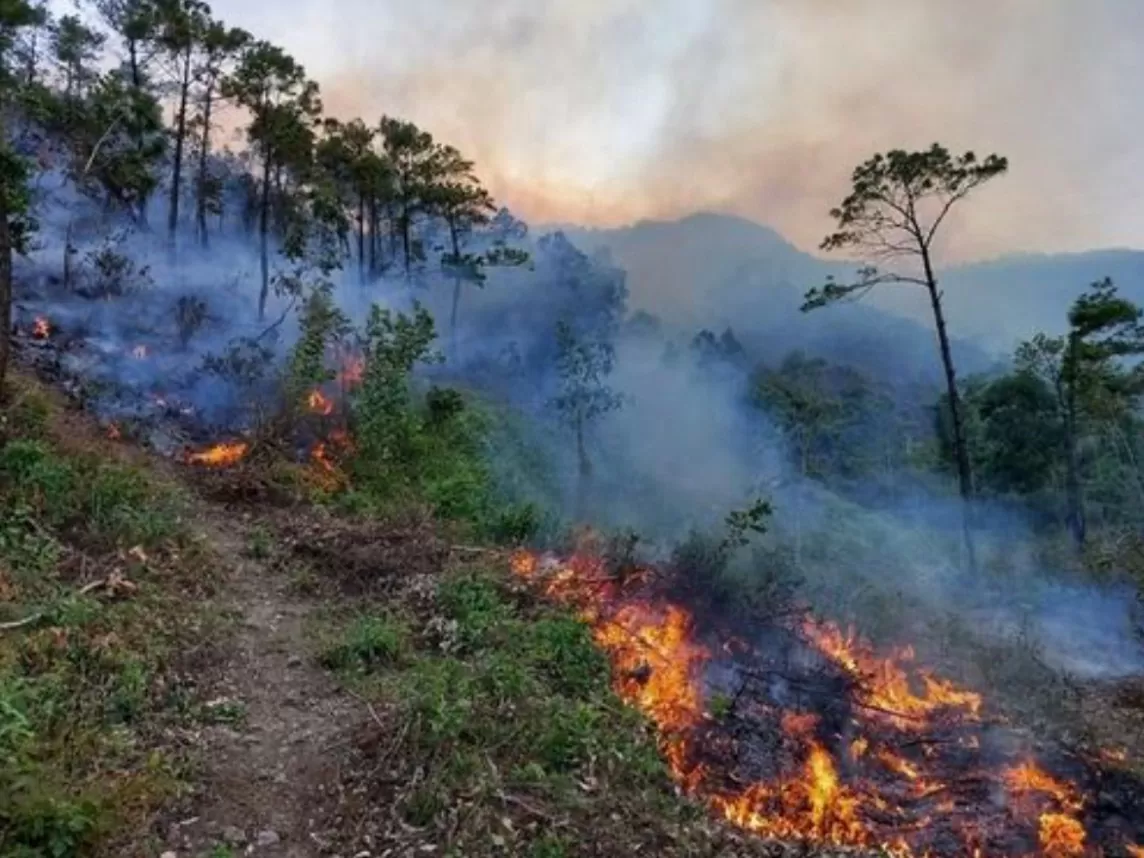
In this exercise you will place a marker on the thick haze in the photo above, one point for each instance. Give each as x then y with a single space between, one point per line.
607 111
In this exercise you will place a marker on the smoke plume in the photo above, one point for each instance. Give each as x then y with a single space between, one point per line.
604 113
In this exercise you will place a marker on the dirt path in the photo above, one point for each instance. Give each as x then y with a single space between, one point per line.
270 772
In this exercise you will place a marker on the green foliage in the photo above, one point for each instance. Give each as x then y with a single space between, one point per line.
386 423
741 523
80 684
838 422
367 642
897 204
584 367
320 324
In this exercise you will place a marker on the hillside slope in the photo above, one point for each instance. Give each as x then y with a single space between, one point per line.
186 671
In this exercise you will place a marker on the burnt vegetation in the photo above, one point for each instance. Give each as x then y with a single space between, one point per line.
601 584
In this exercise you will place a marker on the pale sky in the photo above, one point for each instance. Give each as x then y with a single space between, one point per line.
607 111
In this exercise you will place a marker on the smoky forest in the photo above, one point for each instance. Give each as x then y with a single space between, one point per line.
343 512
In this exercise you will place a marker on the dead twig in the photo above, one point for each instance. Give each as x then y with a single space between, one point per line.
113 582
19 624
525 806
369 707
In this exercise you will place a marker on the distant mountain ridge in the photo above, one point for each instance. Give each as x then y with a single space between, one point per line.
704 265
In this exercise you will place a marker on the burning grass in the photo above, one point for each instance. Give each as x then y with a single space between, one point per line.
825 739
494 731
99 585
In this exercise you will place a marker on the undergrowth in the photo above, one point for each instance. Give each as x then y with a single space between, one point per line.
95 571
504 736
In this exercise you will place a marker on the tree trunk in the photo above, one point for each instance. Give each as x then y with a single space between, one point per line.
264 234
804 468
68 249
133 53
361 236
584 474
374 226
453 348
960 444
5 289
180 136
204 150
405 237
1073 493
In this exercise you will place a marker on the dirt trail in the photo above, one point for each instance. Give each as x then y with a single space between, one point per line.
269 775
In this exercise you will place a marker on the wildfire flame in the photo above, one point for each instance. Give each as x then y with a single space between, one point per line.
880 796
319 404
220 455
41 328
352 371
326 473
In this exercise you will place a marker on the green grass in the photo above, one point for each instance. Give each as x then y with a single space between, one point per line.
85 690
492 695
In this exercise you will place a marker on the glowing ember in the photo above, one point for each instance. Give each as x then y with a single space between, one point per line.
883 785
1061 835
1114 755
220 455
352 371
325 474
41 328
1028 778
319 404
1135 851
139 352
886 683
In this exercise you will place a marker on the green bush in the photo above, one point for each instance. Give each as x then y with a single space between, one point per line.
368 641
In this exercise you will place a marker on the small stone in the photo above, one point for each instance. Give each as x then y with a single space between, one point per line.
233 835
294 661
169 854
268 838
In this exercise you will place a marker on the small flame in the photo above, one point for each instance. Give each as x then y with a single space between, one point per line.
325 474
886 683
319 404
41 328
220 455
1027 778
659 664
1114 755
1061 836
352 371
1134 850
140 352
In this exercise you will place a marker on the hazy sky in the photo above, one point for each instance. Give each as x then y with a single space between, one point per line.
607 111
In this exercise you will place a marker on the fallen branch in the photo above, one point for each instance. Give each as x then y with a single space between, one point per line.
19 624
368 706
113 582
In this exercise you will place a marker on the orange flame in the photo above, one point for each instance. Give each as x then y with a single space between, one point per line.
1114 755
220 455
886 684
659 667
1028 778
319 404
1134 850
1061 836
352 371
41 328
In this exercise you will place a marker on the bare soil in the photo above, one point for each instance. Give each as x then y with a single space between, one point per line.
267 778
